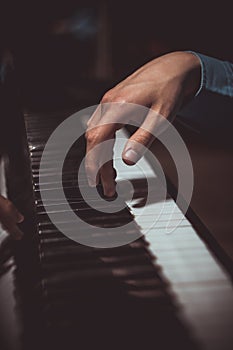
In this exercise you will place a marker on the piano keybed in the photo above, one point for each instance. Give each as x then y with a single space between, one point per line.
104 294
160 289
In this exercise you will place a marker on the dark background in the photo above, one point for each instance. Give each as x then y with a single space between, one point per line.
111 39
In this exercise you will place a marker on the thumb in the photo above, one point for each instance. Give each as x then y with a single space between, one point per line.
137 146
142 139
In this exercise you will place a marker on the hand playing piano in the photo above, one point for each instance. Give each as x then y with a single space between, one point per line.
10 217
164 85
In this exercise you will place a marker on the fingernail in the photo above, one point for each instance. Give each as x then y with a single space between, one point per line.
20 218
131 155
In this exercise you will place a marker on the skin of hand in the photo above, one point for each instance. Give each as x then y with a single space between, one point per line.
164 85
10 217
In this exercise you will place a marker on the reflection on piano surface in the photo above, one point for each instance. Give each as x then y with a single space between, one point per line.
165 290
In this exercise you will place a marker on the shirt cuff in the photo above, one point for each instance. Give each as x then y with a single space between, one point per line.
216 76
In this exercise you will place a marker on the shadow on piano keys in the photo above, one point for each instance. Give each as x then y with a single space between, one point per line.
159 291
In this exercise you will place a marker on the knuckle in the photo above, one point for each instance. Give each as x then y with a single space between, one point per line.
90 168
114 96
90 136
97 135
107 96
120 98
143 138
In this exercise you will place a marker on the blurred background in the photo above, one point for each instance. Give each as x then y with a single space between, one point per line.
79 43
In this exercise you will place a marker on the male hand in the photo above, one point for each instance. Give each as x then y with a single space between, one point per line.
163 85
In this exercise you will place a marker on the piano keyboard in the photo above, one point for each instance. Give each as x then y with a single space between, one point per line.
165 289
201 286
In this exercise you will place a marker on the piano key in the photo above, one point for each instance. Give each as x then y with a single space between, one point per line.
189 266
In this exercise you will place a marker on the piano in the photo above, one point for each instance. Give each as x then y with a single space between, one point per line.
162 290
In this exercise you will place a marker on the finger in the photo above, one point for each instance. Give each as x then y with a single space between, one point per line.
13 231
92 168
117 113
9 217
99 148
9 211
102 127
142 139
103 113
97 159
10 226
95 117
16 215
108 175
20 217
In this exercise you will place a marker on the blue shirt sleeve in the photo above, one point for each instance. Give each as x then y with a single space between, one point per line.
212 107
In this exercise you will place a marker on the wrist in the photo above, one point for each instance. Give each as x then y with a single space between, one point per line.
194 76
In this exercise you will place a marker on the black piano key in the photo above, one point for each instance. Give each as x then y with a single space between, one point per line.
117 295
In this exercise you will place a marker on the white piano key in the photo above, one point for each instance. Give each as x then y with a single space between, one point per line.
202 287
